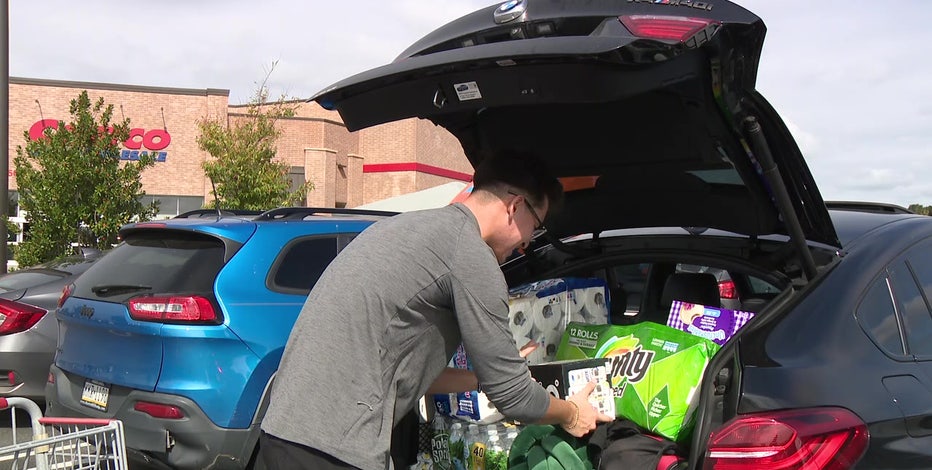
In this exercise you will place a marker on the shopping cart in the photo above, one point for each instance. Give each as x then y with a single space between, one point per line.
63 443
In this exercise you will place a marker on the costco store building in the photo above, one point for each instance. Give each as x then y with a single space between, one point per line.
347 169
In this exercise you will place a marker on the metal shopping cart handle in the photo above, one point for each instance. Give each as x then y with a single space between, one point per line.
29 406
75 421
34 411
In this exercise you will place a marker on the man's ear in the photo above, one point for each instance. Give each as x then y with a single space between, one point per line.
510 206
518 201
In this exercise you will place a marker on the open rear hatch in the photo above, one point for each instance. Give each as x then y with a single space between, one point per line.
652 99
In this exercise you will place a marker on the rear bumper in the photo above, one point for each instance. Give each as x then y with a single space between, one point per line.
31 370
192 442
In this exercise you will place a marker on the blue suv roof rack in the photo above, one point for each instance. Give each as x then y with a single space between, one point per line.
206 213
292 213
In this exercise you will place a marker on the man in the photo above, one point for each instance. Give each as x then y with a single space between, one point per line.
381 324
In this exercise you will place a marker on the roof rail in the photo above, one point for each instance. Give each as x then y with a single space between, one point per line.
205 213
293 213
867 206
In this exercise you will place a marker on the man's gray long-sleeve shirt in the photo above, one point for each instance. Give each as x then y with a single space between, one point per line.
382 323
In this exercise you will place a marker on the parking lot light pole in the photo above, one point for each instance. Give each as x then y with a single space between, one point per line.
4 128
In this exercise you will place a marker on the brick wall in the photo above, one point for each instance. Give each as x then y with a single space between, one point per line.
173 110
334 159
437 147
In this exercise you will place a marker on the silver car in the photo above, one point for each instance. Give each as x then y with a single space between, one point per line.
28 328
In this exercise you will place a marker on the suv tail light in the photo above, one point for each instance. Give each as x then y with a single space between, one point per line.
16 317
805 439
173 309
726 289
675 28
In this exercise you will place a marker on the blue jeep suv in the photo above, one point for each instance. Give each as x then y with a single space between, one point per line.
179 330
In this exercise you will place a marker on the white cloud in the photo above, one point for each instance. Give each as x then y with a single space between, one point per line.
807 142
849 77
875 179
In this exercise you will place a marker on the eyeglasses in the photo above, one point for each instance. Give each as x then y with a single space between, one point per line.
539 229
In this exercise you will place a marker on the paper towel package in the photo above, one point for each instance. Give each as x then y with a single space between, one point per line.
716 324
565 378
540 311
655 371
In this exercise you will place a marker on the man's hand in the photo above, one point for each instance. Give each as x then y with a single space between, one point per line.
528 348
584 421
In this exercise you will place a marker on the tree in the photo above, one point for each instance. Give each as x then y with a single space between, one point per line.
920 209
73 186
11 230
244 170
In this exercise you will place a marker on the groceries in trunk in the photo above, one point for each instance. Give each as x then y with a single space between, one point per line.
646 374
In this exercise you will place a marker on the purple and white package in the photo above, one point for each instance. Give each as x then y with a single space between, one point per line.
712 323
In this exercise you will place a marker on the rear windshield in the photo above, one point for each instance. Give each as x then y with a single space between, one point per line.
159 262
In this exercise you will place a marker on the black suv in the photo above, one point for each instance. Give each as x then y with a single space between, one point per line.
648 112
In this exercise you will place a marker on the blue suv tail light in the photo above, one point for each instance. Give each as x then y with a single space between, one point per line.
173 309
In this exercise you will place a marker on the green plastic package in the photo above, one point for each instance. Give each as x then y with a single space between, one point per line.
655 371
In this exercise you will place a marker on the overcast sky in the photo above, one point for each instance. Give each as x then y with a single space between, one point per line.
852 79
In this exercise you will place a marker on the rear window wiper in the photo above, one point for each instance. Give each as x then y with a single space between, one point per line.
113 289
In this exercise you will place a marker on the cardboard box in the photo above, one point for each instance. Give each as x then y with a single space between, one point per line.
565 378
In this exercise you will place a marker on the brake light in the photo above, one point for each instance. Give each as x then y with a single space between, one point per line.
65 293
11 377
726 289
805 439
150 225
676 28
16 317
158 410
182 309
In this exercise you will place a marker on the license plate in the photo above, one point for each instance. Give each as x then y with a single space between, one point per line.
95 395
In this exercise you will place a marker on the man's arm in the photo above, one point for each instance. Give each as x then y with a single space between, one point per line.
575 414
460 380
454 381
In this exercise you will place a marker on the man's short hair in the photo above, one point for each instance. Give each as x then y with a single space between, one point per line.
513 170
